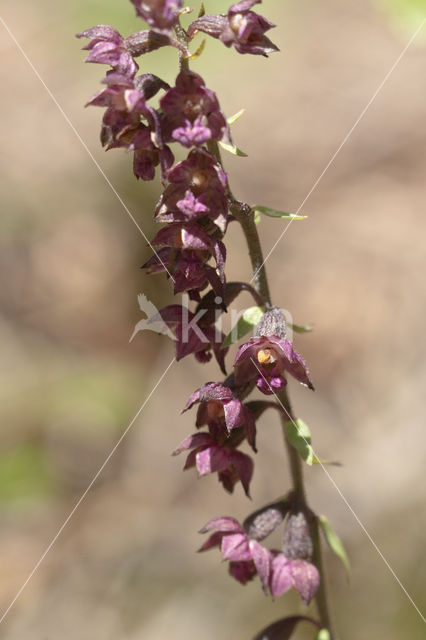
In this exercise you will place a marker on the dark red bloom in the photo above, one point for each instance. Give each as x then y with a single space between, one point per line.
192 115
237 547
241 28
125 99
265 359
218 403
161 15
107 46
198 188
215 451
192 336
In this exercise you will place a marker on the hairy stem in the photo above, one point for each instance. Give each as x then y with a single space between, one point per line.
246 218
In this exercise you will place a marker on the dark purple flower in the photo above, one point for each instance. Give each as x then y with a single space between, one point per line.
125 99
241 28
189 269
186 251
211 452
191 335
161 15
107 46
198 188
265 359
192 115
235 546
299 574
218 403
190 237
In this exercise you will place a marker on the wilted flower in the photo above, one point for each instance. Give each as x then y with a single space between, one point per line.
241 28
265 359
191 112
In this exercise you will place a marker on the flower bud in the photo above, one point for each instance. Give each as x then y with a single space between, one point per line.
271 324
261 523
297 541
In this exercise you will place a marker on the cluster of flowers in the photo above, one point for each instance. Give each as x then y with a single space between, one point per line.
195 210
278 570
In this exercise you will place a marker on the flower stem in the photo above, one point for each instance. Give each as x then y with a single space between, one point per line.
245 217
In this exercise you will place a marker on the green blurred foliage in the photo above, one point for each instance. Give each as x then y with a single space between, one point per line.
408 14
25 474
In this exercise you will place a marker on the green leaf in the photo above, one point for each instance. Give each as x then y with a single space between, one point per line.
232 149
323 634
274 213
250 318
334 542
235 117
257 217
202 10
301 328
327 463
299 436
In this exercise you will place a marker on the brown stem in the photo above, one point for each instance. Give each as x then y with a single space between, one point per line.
246 219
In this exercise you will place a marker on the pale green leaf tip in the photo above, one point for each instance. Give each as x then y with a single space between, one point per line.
235 117
334 542
275 213
232 149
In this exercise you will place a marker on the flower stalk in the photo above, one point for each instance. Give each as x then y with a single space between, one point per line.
194 209
246 220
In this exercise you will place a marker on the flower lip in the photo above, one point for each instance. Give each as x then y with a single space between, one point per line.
266 356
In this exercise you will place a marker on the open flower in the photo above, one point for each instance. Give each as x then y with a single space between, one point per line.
192 115
265 359
246 555
299 574
107 46
125 102
192 335
241 28
215 451
217 403
185 251
161 15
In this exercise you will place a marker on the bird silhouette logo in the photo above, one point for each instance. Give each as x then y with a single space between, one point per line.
148 323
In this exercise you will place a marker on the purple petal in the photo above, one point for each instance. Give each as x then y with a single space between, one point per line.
235 547
242 571
281 576
102 32
244 466
262 559
212 459
223 523
306 579
192 441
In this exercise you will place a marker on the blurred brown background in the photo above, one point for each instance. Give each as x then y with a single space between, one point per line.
124 567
